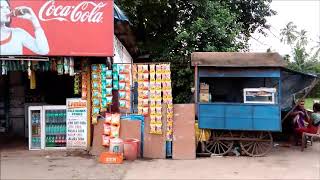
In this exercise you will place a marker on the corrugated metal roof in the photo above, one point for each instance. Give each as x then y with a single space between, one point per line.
237 59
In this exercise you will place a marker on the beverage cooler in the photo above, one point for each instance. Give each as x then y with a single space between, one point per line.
48 127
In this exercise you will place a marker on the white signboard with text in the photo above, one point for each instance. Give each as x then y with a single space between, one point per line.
77 123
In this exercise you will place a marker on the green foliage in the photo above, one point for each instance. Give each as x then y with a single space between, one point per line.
170 30
302 60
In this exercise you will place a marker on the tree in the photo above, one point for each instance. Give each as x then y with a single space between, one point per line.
170 30
303 60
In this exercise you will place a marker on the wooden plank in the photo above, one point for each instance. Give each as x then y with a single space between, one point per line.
97 147
154 145
184 142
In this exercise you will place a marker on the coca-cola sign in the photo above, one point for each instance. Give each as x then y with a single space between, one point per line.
86 11
57 28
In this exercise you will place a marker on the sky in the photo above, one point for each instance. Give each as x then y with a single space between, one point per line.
303 13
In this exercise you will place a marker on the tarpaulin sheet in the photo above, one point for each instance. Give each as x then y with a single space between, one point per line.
292 83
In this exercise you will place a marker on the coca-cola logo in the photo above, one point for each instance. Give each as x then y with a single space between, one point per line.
85 11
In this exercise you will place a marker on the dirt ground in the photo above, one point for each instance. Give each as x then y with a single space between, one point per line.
281 163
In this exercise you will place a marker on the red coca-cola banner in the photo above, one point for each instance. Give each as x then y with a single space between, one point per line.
56 28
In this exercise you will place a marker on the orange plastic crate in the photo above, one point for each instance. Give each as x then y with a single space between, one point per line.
111 158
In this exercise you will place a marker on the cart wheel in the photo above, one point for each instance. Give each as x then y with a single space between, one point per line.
219 146
260 144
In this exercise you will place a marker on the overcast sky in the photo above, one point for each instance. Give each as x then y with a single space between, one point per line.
303 13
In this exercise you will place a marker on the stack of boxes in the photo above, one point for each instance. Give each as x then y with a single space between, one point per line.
204 93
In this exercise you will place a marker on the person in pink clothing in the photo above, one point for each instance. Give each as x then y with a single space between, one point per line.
13 40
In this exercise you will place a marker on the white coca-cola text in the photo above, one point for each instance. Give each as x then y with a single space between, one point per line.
85 11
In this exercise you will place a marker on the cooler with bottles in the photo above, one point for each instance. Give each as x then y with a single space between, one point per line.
48 127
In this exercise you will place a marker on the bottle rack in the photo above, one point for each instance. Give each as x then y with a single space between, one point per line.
55 128
36 129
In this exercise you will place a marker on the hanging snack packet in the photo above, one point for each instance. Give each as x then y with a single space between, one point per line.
95 67
95 102
145 111
122 85
152 128
122 104
115 85
108 91
95 76
145 69
109 100
96 94
104 103
115 121
158 110
121 68
122 78
95 110
122 95
115 76
108 118
115 68
158 128
115 131
152 68
105 140
109 74
106 129
108 83
96 85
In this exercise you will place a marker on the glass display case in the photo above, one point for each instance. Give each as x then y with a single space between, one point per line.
259 95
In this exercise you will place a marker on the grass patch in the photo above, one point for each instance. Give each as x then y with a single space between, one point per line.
308 104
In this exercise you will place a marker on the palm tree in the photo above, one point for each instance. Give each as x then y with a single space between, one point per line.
289 33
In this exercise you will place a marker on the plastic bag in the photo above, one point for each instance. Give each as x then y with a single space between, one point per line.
116 85
108 83
122 95
115 119
108 118
105 140
109 100
109 74
106 129
122 85
115 131
108 91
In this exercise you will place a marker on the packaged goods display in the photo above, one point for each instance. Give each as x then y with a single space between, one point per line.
124 87
111 128
167 98
143 90
101 84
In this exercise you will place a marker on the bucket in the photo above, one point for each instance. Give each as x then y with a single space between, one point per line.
116 145
131 149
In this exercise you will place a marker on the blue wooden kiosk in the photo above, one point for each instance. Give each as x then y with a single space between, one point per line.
221 83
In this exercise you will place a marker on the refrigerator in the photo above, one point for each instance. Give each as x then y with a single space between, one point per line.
47 127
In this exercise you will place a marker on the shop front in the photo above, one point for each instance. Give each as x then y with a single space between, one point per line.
46 51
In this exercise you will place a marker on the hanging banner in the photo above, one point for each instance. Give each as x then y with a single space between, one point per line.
56 28
76 123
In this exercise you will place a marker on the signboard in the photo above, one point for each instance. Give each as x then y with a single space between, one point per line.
56 28
76 123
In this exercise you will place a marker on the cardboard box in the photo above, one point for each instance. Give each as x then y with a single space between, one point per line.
184 137
204 86
204 97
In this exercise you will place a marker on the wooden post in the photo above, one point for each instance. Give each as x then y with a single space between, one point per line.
88 72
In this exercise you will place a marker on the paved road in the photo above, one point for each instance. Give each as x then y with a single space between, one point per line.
282 163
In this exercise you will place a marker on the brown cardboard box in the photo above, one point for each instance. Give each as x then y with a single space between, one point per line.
204 86
204 97
184 142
